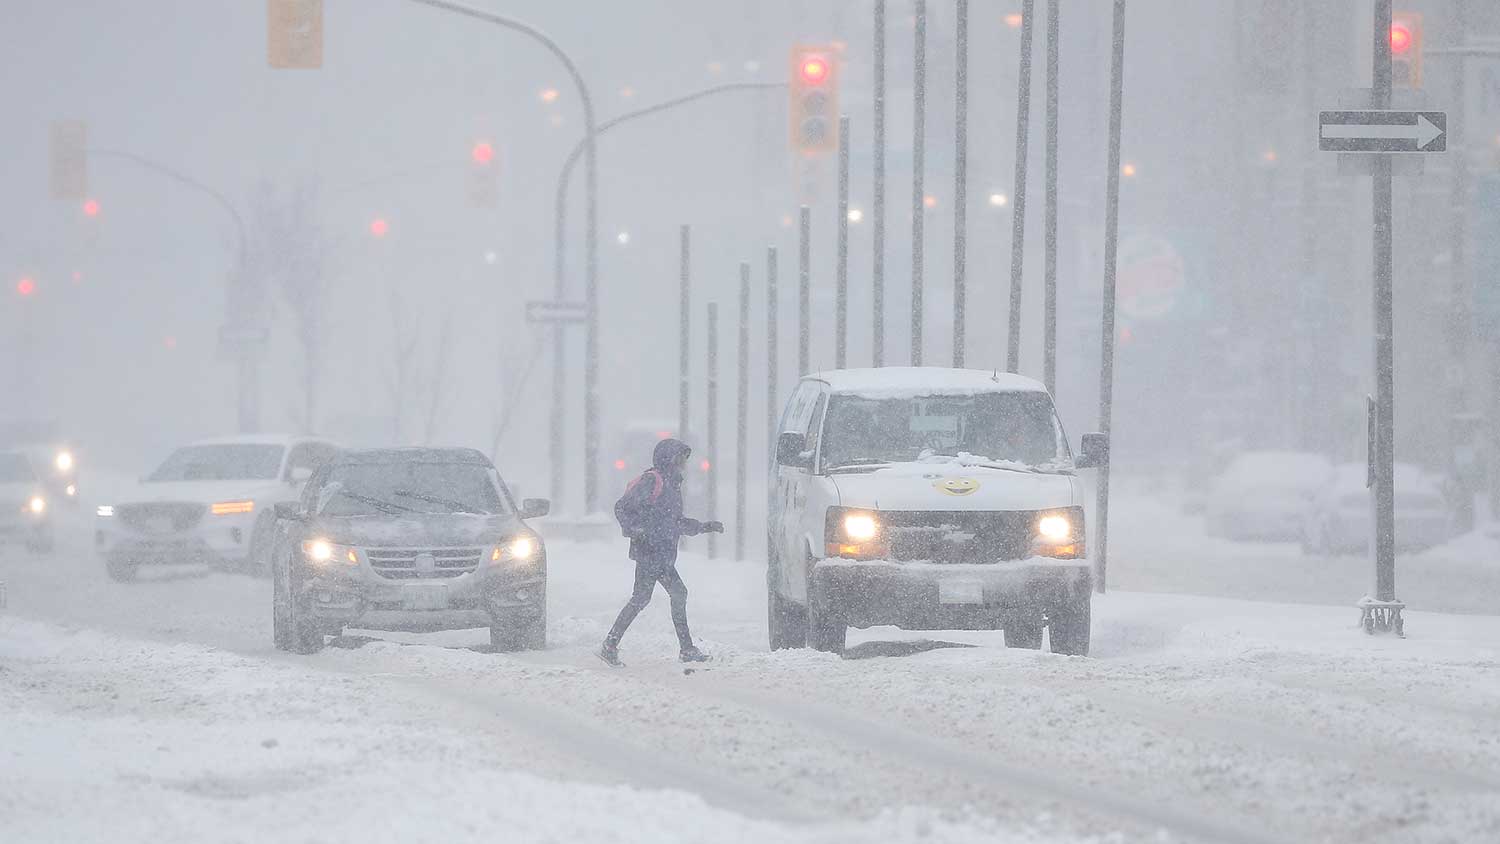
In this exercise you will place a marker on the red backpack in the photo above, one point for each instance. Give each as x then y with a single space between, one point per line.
627 511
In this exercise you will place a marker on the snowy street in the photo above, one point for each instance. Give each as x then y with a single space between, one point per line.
1196 719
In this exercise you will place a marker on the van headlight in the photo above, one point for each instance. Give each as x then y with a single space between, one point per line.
853 533
1058 533
321 552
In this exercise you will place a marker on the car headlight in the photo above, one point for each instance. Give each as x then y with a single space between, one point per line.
64 461
232 508
860 527
322 552
519 550
854 534
37 505
71 490
105 510
1058 533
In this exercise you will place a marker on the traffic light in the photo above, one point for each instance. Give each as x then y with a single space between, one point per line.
379 227
814 103
484 182
25 287
91 208
70 159
1406 49
294 34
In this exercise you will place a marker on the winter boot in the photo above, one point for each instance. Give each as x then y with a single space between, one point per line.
610 653
692 654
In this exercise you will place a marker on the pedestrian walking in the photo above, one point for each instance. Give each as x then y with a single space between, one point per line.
650 514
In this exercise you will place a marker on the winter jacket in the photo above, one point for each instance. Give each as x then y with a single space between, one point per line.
650 511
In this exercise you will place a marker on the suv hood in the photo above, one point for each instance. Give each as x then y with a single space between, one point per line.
418 530
206 492
955 486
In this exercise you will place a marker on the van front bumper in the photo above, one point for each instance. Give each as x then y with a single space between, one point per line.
936 596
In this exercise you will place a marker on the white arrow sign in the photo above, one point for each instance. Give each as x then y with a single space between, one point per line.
1383 131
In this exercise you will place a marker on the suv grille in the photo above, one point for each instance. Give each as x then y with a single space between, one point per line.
422 563
160 516
958 537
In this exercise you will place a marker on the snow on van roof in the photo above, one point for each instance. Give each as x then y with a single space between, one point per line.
895 381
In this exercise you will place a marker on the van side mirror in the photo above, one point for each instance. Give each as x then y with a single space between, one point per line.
535 508
1093 452
791 450
299 475
290 510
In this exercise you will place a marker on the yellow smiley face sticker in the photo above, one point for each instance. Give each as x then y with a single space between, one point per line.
956 486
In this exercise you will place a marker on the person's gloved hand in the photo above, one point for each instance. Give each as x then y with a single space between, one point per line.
713 527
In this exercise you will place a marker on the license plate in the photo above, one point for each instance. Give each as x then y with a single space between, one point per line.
960 592
425 597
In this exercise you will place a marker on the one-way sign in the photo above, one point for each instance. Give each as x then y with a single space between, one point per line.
545 311
1383 131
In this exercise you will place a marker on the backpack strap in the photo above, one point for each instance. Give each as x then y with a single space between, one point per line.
658 480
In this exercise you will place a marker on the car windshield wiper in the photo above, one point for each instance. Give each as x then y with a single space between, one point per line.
455 506
380 503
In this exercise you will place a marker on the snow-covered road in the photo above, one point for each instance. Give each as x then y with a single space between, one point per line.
159 711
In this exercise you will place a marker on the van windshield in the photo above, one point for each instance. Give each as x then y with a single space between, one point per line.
1009 427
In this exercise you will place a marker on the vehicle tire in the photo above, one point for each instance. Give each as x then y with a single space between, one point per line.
826 630
307 636
1025 634
1071 624
121 571
530 635
262 539
281 608
785 623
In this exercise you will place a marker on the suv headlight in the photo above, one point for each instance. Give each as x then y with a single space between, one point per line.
105 510
854 533
321 552
37 505
1058 533
521 549
64 461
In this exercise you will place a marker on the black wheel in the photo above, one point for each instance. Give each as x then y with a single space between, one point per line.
306 634
262 540
530 635
826 630
785 623
122 571
1024 634
281 607
1070 624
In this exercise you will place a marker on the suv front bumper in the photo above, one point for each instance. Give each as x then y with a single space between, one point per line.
936 596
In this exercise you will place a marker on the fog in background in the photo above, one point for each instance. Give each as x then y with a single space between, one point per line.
1229 333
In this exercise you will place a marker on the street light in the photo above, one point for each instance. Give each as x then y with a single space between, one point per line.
999 200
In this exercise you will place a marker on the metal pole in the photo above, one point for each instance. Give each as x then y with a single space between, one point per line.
960 183
711 449
742 424
877 274
684 332
1384 501
1018 220
557 418
773 346
1305 346
1111 243
1460 317
918 194
1049 326
841 313
804 292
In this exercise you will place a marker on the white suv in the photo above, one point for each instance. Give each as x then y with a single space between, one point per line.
928 499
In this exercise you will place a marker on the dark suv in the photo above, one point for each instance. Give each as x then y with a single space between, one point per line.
415 539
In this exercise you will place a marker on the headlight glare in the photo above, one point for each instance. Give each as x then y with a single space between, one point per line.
105 510
317 550
37 504
520 549
1054 528
860 527
64 461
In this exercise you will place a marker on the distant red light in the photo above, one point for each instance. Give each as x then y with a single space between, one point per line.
77 276
91 207
814 70
1400 39
483 152
25 287
170 342
620 465
663 435
705 465
379 227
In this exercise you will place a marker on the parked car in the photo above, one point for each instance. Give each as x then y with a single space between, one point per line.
1339 519
25 511
1265 495
208 502
928 499
417 539
53 456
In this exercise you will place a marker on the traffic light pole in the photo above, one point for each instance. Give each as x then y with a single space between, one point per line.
684 331
877 272
246 360
1018 220
804 291
960 182
1049 226
841 277
918 193
742 423
711 449
1111 252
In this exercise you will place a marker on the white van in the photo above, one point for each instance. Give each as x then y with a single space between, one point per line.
928 499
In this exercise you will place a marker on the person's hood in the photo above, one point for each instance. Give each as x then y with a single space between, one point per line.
417 530
667 451
956 486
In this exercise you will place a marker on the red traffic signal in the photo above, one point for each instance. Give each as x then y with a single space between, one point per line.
814 70
1400 39
483 153
25 287
91 207
1406 49
379 227
814 100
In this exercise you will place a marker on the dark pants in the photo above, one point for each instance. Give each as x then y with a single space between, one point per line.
647 575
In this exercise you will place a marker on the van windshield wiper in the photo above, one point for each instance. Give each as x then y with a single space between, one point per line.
455 506
860 463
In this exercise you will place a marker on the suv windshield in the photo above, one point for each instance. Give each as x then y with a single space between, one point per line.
15 469
368 489
225 462
1018 427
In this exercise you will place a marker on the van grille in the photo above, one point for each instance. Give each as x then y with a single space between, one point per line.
423 563
958 537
